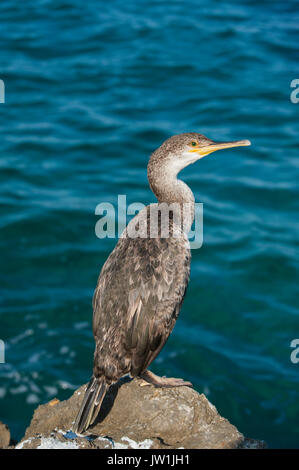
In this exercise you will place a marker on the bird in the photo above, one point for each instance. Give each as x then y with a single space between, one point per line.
143 282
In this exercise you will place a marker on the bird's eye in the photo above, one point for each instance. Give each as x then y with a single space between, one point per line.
193 143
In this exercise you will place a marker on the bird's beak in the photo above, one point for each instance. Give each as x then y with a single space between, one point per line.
213 146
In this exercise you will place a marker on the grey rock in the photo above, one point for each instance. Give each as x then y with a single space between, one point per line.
137 416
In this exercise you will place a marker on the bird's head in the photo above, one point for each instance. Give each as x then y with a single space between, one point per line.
181 150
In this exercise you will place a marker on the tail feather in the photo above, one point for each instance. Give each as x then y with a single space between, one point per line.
91 404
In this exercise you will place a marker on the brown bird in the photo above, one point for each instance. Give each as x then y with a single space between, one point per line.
142 284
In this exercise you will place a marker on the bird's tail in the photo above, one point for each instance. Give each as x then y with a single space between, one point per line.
91 404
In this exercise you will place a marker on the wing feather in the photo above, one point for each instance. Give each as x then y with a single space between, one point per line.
137 300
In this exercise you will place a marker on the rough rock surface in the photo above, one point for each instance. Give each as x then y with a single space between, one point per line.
4 436
137 416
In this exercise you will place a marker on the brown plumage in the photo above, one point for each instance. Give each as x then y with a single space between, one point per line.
142 284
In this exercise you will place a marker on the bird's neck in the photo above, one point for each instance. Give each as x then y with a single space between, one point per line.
170 190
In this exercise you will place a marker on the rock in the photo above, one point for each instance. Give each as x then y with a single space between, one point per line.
253 444
136 416
4 436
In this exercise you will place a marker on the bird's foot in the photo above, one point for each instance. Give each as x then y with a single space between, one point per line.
143 383
154 379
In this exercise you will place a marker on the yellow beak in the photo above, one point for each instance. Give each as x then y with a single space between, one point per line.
219 146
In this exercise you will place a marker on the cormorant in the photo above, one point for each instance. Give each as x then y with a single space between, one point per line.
142 284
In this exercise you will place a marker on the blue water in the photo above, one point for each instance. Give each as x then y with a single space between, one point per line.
92 88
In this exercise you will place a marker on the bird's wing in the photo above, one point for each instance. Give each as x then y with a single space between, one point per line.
137 300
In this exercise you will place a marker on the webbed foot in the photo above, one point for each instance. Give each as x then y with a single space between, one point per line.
154 379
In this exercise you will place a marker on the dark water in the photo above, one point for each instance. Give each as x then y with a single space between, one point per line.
91 89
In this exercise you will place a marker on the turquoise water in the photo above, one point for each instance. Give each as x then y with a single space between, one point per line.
92 88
